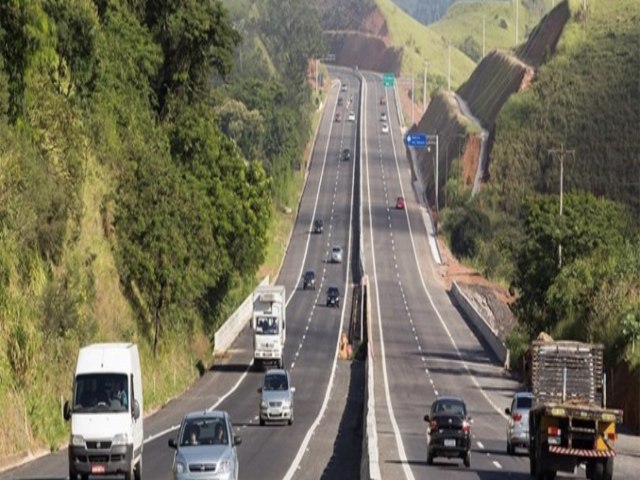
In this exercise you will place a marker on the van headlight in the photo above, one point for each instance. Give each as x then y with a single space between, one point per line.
264 404
77 441
224 466
180 467
120 439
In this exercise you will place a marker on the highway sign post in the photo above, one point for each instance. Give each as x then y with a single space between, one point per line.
388 80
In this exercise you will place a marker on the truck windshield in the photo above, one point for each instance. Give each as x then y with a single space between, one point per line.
267 325
101 392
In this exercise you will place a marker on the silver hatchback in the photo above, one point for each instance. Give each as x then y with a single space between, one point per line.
336 254
205 447
276 397
518 423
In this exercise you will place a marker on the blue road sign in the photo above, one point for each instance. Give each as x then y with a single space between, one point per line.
417 140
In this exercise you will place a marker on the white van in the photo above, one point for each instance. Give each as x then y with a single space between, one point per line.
106 412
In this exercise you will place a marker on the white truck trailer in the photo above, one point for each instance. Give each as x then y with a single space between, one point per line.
269 325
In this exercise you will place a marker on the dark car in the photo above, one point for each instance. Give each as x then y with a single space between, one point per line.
309 280
318 226
333 297
449 430
340 101
346 154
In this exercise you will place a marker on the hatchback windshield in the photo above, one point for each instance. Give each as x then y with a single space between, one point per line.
333 292
450 407
523 402
204 431
275 382
101 392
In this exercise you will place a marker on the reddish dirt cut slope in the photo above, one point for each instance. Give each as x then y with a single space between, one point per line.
366 51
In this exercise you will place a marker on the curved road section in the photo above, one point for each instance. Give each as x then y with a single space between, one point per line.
274 451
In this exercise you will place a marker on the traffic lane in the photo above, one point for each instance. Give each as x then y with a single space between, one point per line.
213 385
411 385
403 366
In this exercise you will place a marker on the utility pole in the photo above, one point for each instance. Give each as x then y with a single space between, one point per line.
561 153
449 65
424 91
484 33
413 95
317 78
517 15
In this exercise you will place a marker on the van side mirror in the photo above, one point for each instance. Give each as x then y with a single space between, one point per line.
172 443
507 411
470 420
259 389
66 411
237 440
136 410
426 418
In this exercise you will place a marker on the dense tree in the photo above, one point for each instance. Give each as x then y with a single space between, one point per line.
197 41
587 223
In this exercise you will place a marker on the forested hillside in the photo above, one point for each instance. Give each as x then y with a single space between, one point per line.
575 275
140 159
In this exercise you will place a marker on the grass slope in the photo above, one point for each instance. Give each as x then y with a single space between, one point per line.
421 44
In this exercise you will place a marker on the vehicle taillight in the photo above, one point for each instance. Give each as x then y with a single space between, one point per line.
433 425
554 431
517 417
466 427
612 436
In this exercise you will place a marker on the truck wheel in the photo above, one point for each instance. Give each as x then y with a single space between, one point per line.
510 448
137 473
72 475
608 469
129 475
467 460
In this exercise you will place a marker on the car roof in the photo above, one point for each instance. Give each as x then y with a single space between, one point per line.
448 398
523 394
275 371
333 287
205 414
310 272
336 247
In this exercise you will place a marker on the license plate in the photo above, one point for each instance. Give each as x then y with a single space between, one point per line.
449 442
97 469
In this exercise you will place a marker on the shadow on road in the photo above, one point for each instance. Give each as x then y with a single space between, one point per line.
229 367
347 448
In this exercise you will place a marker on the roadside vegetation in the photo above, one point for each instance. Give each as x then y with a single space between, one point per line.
137 184
582 108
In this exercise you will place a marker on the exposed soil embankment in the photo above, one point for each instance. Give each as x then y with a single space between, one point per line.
366 51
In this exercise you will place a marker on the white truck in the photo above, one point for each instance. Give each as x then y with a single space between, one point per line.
269 325
106 412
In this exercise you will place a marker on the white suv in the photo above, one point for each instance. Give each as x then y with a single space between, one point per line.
336 254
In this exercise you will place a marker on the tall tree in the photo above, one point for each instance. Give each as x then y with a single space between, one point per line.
197 40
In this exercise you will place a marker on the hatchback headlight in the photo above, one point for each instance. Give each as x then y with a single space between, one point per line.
120 439
224 466
180 467
77 441
264 404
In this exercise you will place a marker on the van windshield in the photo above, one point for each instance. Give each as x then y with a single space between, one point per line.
101 392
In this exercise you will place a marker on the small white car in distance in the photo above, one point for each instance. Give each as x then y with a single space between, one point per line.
385 128
336 254
352 117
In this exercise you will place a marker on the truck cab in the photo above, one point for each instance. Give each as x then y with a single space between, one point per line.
269 325
106 412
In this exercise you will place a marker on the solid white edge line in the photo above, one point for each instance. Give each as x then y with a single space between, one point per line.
394 424
305 442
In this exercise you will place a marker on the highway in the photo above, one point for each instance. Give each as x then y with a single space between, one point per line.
274 451
422 345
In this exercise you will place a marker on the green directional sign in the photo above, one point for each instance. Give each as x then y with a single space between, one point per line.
387 80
